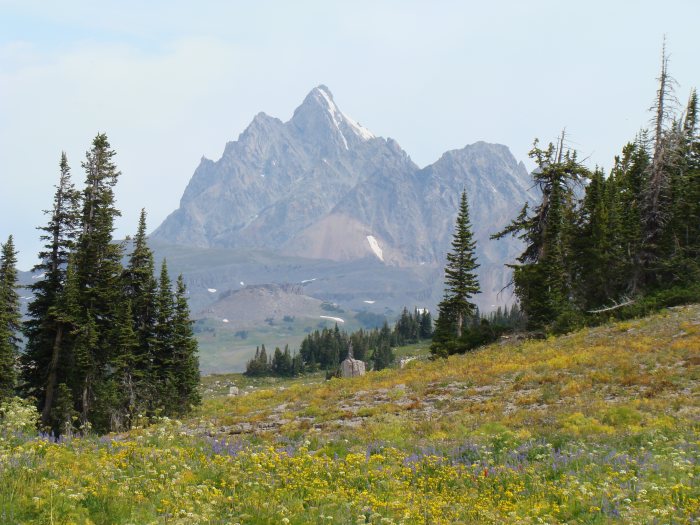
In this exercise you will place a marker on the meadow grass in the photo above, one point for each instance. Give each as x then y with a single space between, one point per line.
599 426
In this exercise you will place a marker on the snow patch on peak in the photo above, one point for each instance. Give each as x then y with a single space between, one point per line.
211 290
338 116
336 319
369 302
374 245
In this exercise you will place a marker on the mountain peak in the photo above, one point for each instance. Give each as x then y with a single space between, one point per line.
319 106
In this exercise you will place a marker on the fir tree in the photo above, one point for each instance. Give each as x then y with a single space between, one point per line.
141 289
121 386
383 355
161 377
185 359
461 282
9 319
426 325
43 360
543 277
98 269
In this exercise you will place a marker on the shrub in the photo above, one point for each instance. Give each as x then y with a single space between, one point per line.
18 417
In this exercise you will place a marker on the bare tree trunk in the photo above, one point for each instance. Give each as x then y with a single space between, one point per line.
51 381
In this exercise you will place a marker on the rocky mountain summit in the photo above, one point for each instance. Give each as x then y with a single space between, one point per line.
322 187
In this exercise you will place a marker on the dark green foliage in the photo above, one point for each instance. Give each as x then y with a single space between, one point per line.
383 355
461 284
631 244
9 319
99 271
45 361
140 287
325 349
411 327
105 344
480 331
282 364
162 344
259 365
185 362
543 277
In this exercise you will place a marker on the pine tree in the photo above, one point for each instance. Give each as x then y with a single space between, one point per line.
680 239
141 289
161 376
426 325
9 319
461 282
43 360
98 269
628 177
185 360
543 282
121 386
257 366
592 245
383 355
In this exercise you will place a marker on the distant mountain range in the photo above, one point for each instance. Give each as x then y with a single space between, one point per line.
322 202
321 186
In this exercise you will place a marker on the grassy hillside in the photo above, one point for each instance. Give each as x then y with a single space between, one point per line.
600 426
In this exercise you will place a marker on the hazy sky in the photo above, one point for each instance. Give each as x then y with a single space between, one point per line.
170 81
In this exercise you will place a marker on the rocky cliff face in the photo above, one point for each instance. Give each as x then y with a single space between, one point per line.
279 178
321 186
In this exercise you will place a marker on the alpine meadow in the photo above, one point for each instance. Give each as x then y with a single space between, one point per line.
322 331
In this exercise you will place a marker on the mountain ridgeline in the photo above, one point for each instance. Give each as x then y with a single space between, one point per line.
321 187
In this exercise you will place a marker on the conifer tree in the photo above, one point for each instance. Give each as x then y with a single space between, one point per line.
98 270
161 377
657 192
461 282
47 337
257 366
9 319
383 355
426 325
680 240
141 290
628 177
123 388
185 359
542 279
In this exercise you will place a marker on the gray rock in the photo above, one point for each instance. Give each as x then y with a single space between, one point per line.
322 187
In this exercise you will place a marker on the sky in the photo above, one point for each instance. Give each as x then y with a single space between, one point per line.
171 81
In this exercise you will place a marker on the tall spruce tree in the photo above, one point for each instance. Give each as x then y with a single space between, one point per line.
383 355
680 241
141 291
461 281
161 376
628 177
43 362
9 319
543 277
123 387
185 359
98 269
